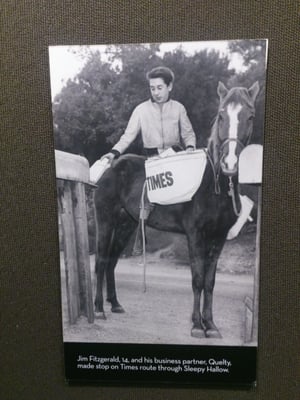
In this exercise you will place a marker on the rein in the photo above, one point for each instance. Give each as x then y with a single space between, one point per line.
232 195
217 185
216 174
144 237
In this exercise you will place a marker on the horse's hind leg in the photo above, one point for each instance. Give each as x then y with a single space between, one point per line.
124 228
104 238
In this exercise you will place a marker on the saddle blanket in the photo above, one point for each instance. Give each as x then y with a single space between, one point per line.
175 178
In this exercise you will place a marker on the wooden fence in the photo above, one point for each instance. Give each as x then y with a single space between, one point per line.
72 174
250 172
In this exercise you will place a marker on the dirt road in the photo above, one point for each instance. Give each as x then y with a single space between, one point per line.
162 314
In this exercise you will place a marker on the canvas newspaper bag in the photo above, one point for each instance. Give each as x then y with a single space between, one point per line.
175 178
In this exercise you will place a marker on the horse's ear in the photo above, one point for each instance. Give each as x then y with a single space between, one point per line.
253 91
222 90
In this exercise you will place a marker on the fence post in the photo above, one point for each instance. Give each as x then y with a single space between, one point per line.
250 172
72 173
70 253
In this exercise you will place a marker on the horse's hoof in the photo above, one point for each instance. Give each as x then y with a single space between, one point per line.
213 334
198 333
100 315
118 309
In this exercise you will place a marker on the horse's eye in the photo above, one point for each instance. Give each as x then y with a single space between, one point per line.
221 112
221 117
251 118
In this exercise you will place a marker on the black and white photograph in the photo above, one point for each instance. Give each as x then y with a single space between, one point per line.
159 153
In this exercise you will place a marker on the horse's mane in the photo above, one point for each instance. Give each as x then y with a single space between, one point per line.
238 95
133 158
212 144
129 164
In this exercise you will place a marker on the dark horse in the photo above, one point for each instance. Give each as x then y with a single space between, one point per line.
205 220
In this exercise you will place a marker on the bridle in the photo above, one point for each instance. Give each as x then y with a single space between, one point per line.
230 140
216 168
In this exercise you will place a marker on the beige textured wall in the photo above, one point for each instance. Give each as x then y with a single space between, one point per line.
31 343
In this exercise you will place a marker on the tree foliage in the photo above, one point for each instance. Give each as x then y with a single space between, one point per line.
253 53
92 110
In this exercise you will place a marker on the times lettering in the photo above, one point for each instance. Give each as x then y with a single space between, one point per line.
160 181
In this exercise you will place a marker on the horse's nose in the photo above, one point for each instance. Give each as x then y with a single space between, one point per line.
231 162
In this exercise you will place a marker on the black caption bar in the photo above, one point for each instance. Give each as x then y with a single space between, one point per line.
158 364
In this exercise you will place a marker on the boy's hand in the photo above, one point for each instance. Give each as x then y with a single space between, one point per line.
190 149
109 156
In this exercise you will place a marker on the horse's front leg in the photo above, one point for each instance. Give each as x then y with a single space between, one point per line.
111 297
213 252
196 252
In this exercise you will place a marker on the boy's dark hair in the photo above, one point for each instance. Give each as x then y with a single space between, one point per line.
166 74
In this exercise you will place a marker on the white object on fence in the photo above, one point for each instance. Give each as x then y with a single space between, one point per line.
250 172
97 169
250 164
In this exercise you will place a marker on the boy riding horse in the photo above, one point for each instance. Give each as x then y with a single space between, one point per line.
162 122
